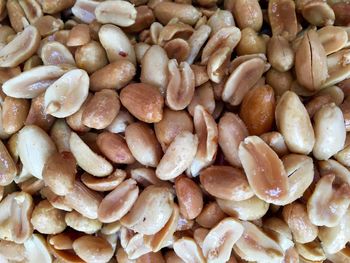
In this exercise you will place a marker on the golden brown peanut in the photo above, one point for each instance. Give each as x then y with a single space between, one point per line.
189 197
152 210
165 11
280 53
85 10
257 109
143 144
118 202
283 19
180 88
310 62
93 249
75 121
37 116
341 10
8 73
87 159
144 19
83 200
226 182
32 10
137 247
248 14
120 122
12 147
55 53
250 209
83 224
218 63
294 123
120 13
32 62
200 74
183 149
48 25
272 185
6 32
251 42
328 204
79 35
252 236
32 83
91 57
315 104
210 215
32 185
12 251
295 215
101 110
34 148
145 177
60 134
140 50
104 184
218 243
15 223
333 167
114 147
329 132
187 249
225 37
16 15
338 67
318 13
279 81
203 95
116 44
232 131
22 47
48 220
335 92
113 76
343 155
151 257
143 101
55 6
59 172
196 41
65 96
177 49
276 141
8 169
333 38
155 68
311 251
238 84
59 202
172 123
14 114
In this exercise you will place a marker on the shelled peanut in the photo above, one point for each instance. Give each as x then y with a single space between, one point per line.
188 131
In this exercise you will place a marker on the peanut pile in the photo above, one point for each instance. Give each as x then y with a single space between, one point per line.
152 131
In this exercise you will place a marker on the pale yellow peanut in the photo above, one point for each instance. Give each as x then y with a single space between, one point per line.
59 172
34 148
119 124
280 53
85 10
32 185
251 42
250 209
165 11
183 149
65 96
56 201
60 134
37 249
87 159
93 249
197 40
48 220
91 57
32 62
203 95
279 81
152 210
103 184
311 251
116 44
276 141
55 6
143 144
12 251
218 243
318 13
48 25
332 38
220 19
75 121
118 202
83 224
14 113
188 250
55 53
154 69
16 15
15 223
144 19
172 123
22 47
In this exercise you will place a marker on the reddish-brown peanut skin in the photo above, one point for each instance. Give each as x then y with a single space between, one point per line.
189 196
258 110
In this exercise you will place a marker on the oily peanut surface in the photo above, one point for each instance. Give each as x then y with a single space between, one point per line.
170 131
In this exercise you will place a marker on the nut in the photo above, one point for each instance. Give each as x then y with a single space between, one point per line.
248 14
22 47
165 11
81 223
79 35
333 38
14 113
8 169
105 183
120 13
48 220
118 202
85 10
280 53
187 249
65 96
55 53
